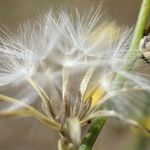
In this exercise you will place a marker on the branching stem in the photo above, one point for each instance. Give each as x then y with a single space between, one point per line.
119 80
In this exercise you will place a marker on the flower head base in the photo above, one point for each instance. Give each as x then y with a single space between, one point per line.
76 59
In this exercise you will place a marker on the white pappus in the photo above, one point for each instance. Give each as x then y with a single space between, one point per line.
75 57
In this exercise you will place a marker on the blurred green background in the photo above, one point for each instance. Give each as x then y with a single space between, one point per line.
29 134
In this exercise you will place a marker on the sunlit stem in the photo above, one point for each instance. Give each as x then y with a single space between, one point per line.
26 109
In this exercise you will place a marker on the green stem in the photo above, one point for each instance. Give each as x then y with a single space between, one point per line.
92 134
119 80
133 51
